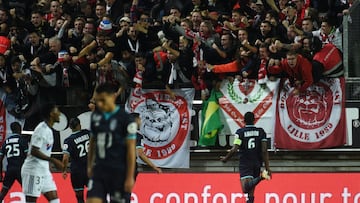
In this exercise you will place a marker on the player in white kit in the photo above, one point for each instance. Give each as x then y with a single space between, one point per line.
35 172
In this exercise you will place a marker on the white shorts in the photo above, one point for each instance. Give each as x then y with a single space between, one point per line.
34 185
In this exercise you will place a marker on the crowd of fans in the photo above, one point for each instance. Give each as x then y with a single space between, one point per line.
51 50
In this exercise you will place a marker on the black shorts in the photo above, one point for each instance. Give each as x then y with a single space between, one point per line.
79 180
10 177
249 170
108 183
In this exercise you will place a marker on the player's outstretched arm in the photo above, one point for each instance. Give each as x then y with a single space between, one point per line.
265 156
91 157
231 153
35 151
145 159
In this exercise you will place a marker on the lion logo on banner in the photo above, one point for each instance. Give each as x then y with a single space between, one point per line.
313 115
165 121
311 109
159 121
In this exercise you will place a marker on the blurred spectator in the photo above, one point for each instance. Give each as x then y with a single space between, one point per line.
47 48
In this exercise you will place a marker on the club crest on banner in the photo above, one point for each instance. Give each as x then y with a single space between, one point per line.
166 122
312 116
247 95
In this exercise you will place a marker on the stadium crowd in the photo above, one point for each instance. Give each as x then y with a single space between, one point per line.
51 50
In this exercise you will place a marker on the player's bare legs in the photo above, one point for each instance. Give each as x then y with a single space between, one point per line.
52 197
249 184
248 187
94 200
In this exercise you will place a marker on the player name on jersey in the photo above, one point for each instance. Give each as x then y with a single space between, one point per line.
251 133
81 139
12 140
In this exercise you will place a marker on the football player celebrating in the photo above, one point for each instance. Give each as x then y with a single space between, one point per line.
112 149
251 143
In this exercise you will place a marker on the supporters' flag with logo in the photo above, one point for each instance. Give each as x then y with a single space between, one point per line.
313 119
247 95
211 122
166 124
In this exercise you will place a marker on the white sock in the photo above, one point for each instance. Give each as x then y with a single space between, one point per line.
54 201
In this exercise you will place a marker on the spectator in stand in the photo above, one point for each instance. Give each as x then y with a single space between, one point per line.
100 12
227 49
43 28
75 35
243 38
209 40
105 49
147 32
265 34
328 33
132 41
307 25
48 75
5 20
89 28
297 68
114 9
33 48
279 29
196 20
301 8
55 13
239 21
169 23
291 15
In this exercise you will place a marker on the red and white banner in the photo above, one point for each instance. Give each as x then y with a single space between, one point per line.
6 119
248 95
312 120
225 188
166 124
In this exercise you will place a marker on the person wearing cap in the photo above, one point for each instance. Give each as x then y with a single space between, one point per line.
124 25
291 15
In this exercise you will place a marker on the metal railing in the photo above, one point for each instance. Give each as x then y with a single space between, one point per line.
351 42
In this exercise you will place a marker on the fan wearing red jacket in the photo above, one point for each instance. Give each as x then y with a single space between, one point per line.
297 68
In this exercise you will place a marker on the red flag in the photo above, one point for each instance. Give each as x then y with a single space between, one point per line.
314 119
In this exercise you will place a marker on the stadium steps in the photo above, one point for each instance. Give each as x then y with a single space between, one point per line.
332 160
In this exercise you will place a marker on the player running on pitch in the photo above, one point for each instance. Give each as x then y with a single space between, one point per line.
112 149
76 148
35 172
251 143
14 149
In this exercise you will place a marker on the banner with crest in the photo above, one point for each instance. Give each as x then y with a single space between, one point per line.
314 119
240 97
166 124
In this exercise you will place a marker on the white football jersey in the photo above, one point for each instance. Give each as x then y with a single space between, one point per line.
44 140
